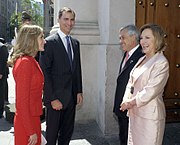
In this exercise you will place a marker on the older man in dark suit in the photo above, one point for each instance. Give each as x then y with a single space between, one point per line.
61 65
129 42
3 75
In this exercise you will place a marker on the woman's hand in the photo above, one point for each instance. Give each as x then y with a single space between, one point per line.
125 106
128 104
33 139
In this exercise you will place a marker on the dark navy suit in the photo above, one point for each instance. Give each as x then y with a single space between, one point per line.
4 73
63 83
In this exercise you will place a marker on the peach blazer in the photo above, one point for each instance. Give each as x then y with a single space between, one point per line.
149 85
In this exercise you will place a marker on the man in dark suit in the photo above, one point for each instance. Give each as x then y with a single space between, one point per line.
129 42
3 75
6 99
61 65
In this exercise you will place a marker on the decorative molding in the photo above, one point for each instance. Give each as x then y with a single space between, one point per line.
86 32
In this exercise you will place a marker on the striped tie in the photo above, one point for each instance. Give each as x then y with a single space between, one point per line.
69 51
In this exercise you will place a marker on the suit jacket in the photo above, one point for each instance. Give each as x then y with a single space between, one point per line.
29 82
149 85
61 81
122 80
3 60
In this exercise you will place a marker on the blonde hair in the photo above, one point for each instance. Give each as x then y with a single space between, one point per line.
158 33
26 42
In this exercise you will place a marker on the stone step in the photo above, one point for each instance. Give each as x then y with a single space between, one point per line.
10 112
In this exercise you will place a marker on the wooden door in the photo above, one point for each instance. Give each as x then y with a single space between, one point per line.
167 14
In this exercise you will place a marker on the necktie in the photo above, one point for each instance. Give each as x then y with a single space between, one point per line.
69 52
125 60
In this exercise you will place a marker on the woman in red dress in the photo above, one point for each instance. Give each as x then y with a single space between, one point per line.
29 82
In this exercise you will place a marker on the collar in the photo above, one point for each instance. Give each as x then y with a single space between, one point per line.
61 34
133 50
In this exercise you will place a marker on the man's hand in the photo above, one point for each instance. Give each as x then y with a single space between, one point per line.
56 104
1 76
79 98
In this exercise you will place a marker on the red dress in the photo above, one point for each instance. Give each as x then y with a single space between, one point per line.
29 82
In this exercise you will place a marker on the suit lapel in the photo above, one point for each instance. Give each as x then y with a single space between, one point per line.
120 68
140 71
74 48
131 59
58 40
61 45
145 66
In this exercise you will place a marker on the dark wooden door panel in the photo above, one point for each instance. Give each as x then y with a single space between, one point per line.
164 10
176 44
151 5
140 12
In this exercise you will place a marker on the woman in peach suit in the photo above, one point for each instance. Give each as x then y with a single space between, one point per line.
144 91
29 82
